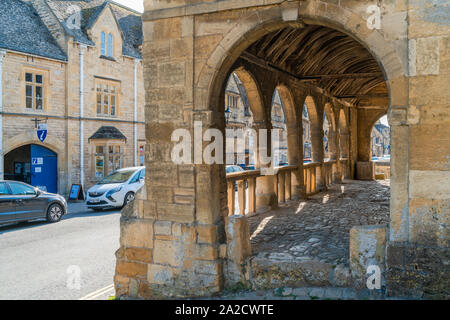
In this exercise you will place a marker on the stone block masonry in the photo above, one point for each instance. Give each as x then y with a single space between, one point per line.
191 47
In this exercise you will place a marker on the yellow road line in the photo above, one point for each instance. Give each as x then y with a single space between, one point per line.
98 293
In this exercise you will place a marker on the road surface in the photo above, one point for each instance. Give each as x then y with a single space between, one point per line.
73 259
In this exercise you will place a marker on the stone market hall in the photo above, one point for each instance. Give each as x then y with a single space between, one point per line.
197 231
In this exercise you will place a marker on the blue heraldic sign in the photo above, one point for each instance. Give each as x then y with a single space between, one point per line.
42 132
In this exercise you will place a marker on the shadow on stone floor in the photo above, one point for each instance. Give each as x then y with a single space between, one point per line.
319 228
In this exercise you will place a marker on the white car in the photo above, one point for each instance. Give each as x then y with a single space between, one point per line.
117 189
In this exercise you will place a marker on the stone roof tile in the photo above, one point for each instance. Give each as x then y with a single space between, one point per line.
129 22
22 30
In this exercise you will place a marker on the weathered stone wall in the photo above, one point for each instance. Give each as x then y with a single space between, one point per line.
190 48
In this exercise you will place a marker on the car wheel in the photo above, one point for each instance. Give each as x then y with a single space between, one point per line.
128 198
54 213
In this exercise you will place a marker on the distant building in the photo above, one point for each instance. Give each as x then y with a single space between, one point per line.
239 116
380 140
326 131
307 146
279 122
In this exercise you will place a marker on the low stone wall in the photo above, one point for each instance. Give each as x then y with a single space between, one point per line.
383 168
269 271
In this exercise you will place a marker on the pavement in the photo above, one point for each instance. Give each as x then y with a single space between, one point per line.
69 260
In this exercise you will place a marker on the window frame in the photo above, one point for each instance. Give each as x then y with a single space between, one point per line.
106 144
101 83
114 156
11 183
110 45
7 189
35 72
103 44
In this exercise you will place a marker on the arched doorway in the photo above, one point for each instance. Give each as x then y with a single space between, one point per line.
278 120
316 46
321 66
33 164
380 147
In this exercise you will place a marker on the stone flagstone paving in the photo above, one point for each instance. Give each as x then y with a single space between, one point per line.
319 228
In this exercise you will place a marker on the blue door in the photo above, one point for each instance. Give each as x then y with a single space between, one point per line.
44 169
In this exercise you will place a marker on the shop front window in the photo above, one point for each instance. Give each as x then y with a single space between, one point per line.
115 158
99 162
107 159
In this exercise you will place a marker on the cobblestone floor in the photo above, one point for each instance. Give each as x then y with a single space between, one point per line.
319 228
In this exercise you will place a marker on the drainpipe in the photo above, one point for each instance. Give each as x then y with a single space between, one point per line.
2 54
82 49
136 63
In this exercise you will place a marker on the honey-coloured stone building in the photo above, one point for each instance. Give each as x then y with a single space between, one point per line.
355 61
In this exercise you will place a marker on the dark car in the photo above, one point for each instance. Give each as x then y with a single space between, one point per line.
22 202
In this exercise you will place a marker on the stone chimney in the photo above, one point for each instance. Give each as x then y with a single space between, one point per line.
51 22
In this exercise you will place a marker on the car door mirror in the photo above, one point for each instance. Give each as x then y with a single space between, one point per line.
38 193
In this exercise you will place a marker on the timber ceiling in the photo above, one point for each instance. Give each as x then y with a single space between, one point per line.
325 57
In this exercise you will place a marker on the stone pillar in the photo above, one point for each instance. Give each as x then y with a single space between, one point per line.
399 175
265 192
266 197
332 144
238 251
365 170
179 227
367 255
317 146
295 150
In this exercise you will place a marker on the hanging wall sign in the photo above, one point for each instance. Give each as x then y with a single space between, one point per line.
42 132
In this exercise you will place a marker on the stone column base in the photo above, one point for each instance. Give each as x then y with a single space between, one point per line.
365 170
367 256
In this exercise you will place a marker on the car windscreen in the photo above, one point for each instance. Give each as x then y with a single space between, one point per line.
118 177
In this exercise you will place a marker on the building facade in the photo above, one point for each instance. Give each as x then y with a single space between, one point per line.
75 68
380 140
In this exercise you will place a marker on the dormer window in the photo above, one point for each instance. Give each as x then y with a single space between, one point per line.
107 45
